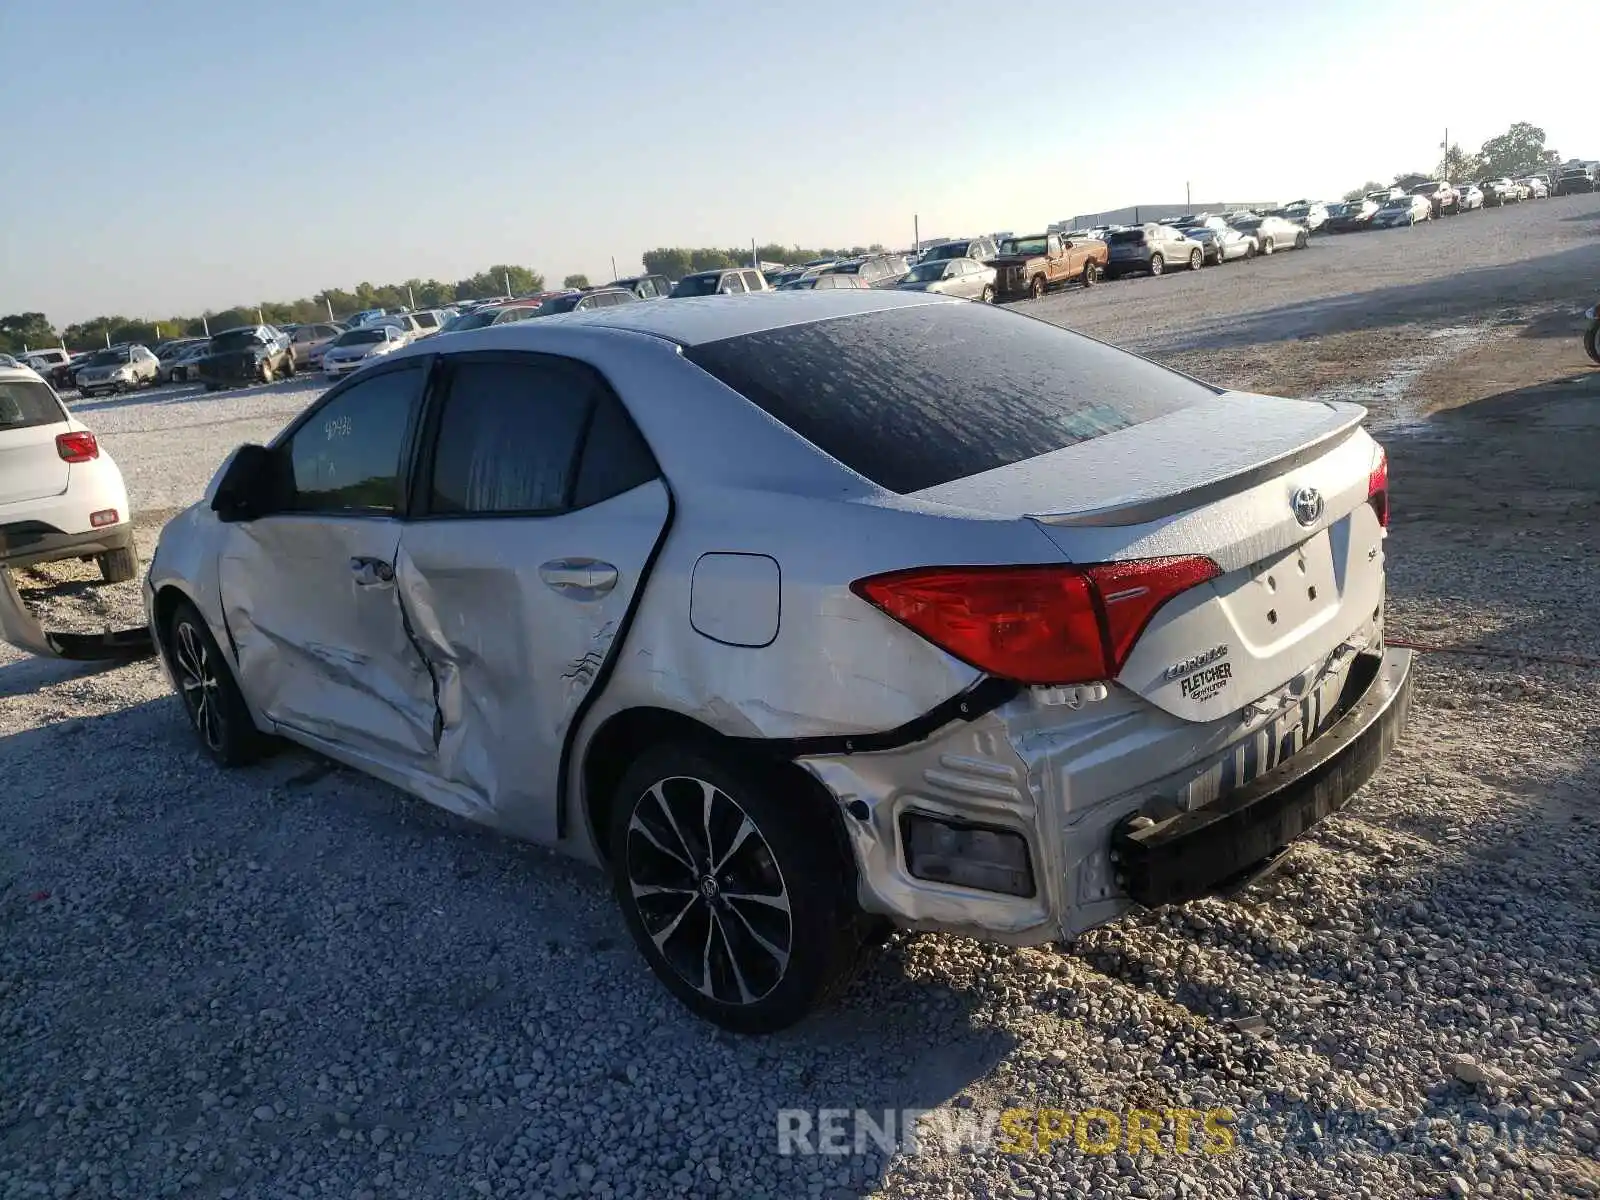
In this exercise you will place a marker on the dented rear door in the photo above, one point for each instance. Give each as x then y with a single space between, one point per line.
539 509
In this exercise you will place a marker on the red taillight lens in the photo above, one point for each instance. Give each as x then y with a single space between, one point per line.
77 447
1036 624
1378 488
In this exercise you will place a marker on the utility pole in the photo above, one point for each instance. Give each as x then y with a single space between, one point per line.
506 275
916 234
754 261
1188 202
205 324
260 320
613 266
329 303
411 296
108 337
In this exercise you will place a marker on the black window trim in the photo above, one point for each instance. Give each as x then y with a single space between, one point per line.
418 486
428 365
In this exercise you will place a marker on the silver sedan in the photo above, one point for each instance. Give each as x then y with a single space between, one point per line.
964 278
808 615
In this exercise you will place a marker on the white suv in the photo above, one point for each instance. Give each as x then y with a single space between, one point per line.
61 496
117 369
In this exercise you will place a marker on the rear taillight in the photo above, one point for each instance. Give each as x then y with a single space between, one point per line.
77 447
1036 624
1378 488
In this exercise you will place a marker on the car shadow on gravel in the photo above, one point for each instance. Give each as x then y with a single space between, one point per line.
1567 276
28 676
298 939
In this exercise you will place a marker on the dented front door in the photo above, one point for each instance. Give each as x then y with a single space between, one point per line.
312 604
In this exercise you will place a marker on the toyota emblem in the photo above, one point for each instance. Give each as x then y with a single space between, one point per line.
1307 505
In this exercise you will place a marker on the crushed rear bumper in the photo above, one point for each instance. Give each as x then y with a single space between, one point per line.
1211 849
20 628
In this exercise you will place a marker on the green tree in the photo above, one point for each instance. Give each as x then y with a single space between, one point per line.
671 261
1457 165
1371 185
26 331
575 281
1520 150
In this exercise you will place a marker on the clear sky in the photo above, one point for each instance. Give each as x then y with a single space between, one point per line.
170 156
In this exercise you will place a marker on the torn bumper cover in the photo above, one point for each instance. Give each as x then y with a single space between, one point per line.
1208 850
21 629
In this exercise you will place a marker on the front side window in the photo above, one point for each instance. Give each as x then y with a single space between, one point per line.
349 455
510 433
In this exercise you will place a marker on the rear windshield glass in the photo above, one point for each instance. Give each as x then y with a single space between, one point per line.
1126 237
697 285
915 397
361 337
235 339
25 403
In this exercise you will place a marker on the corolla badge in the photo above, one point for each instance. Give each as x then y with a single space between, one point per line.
1307 505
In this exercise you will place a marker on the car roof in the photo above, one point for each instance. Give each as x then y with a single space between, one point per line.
19 374
692 321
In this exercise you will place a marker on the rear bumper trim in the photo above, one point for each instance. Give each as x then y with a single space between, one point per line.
1211 849
29 543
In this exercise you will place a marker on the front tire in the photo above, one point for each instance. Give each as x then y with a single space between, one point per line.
1302 240
1197 259
1036 288
987 295
1591 342
216 709
733 887
1091 275
118 566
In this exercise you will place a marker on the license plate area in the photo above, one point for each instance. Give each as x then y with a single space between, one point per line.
1287 594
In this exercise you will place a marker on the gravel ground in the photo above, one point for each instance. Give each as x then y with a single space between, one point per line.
292 981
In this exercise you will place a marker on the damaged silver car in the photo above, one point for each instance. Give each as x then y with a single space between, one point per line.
808 616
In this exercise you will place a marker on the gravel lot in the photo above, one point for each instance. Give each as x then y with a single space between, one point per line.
292 981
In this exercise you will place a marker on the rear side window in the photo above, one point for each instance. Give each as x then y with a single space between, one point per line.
26 403
915 397
532 435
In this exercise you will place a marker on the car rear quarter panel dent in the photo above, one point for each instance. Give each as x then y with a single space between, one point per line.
837 665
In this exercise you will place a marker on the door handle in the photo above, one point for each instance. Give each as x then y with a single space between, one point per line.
579 578
370 572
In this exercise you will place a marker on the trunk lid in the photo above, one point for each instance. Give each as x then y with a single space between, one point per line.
1220 479
30 418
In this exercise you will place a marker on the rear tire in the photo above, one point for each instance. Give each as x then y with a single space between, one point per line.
987 295
1157 264
1591 342
1091 274
1036 288
216 709
118 566
733 887
1266 246
1302 240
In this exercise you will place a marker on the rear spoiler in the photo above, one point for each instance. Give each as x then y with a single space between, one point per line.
21 628
1136 509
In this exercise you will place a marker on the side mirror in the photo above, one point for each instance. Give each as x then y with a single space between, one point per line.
258 482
